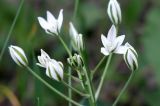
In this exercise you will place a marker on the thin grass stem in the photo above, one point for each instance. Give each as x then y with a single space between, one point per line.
11 29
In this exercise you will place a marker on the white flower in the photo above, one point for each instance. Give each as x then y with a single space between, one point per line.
18 55
54 69
112 43
130 57
114 12
52 25
76 39
43 59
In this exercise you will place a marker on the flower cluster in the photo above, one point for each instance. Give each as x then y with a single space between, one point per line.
55 70
113 44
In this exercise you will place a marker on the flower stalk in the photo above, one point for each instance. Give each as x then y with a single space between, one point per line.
52 88
76 4
65 46
75 90
89 83
97 66
70 84
124 88
103 77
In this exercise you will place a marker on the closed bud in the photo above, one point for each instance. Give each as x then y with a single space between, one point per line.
114 12
76 39
80 42
18 55
130 57
54 70
75 61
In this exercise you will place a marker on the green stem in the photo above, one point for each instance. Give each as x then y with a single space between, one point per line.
103 77
97 66
124 88
81 77
89 83
90 88
11 29
65 46
52 88
75 8
70 84
77 91
73 77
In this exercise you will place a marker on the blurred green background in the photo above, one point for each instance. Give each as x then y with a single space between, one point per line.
141 25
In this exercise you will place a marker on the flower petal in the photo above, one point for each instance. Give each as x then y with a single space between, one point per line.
114 12
79 42
19 58
44 54
133 57
51 19
109 11
60 19
19 54
72 31
19 50
120 50
104 51
105 41
38 64
13 56
119 40
130 59
58 68
43 23
112 33
129 46
50 71
118 9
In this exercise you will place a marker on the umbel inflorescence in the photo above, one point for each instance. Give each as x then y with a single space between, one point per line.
112 43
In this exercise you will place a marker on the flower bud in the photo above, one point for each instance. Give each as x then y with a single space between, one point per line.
76 39
75 61
80 42
130 57
18 55
114 12
54 70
